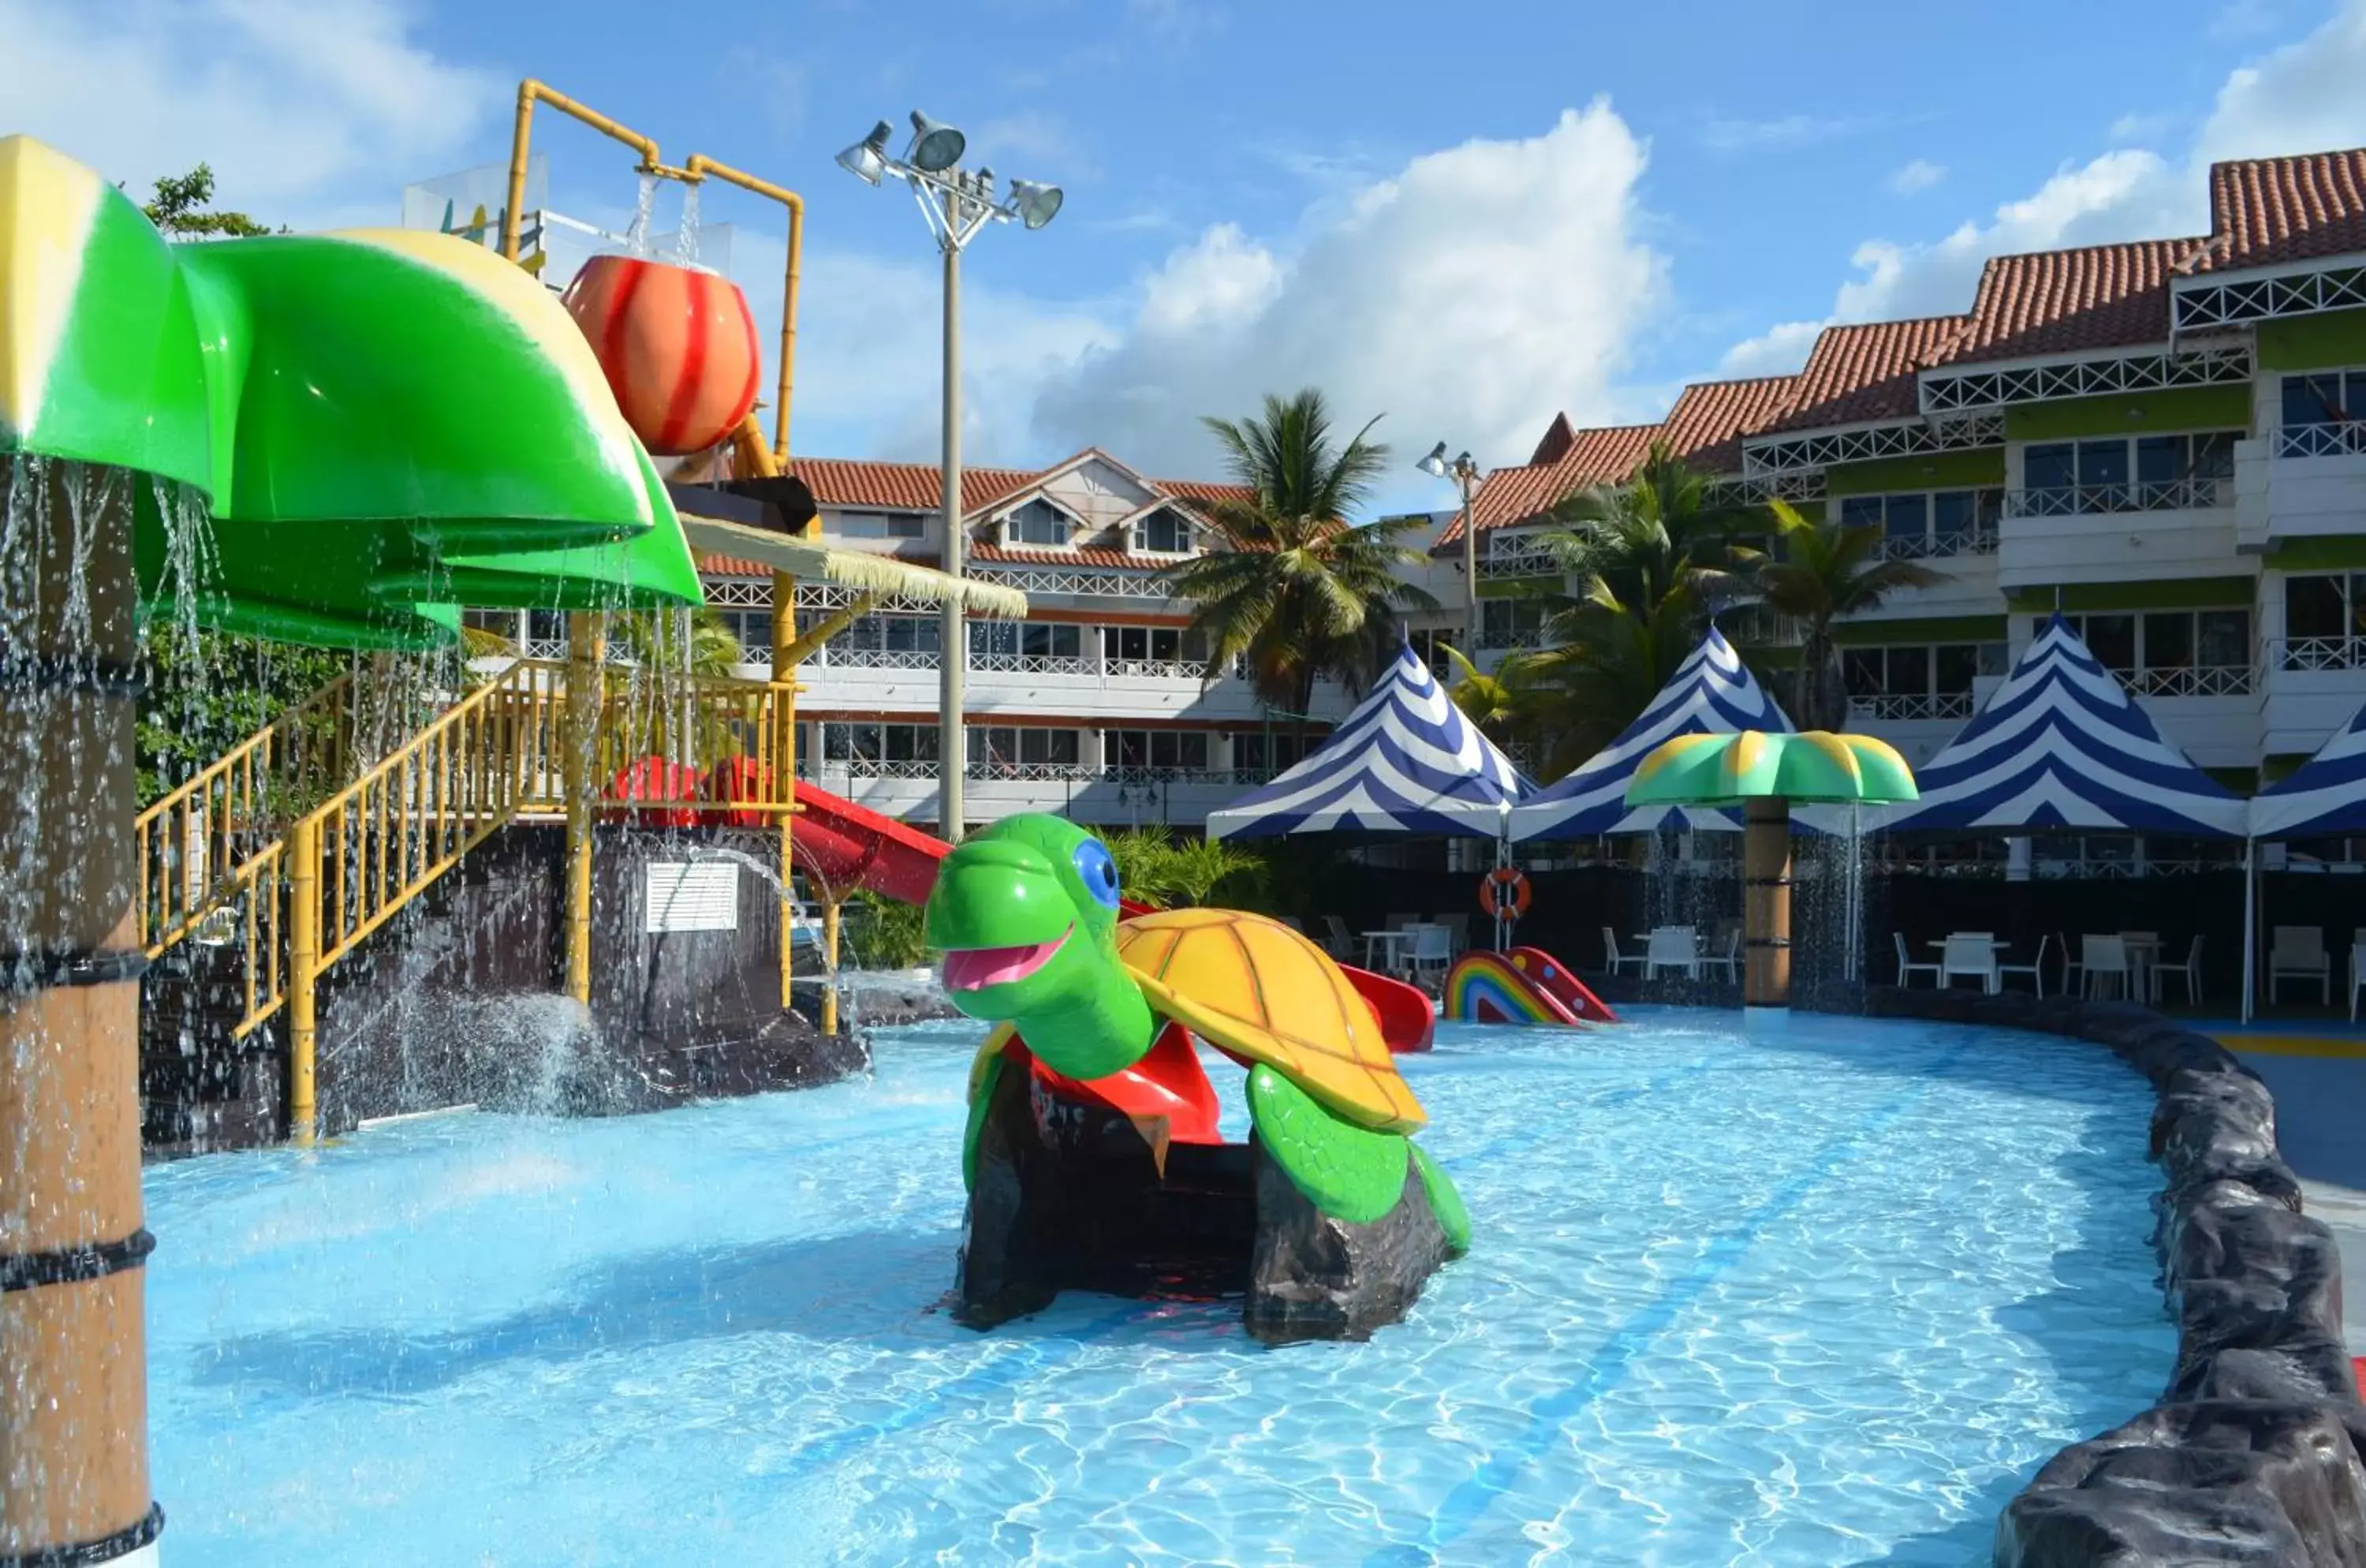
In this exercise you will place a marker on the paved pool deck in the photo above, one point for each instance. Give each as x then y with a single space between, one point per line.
2317 1073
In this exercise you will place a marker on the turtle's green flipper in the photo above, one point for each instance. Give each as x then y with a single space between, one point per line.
1351 1173
1444 1201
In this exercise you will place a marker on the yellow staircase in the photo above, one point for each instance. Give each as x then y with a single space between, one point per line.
304 864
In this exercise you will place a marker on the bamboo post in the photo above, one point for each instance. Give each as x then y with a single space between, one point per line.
586 655
303 975
784 761
830 957
1766 902
73 1416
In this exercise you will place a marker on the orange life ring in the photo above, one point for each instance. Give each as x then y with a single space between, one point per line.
1505 884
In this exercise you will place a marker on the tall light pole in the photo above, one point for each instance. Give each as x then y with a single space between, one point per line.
1464 472
956 204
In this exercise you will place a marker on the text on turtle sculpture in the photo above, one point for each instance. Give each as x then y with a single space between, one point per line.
1094 1005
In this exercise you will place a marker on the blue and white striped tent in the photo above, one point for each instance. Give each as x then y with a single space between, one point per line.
2061 746
1711 693
1404 761
2324 797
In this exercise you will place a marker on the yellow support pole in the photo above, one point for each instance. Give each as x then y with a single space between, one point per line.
830 957
586 654
698 166
303 978
784 762
530 91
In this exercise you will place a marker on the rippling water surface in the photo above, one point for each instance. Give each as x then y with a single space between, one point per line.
1824 1302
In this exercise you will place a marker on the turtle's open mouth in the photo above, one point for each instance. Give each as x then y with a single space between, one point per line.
974 968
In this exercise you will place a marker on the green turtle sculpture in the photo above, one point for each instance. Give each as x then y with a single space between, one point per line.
1036 939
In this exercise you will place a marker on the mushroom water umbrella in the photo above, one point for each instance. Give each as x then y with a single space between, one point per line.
1765 774
274 434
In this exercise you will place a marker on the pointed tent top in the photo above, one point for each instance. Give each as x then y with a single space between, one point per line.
2060 745
1712 692
1405 761
2324 796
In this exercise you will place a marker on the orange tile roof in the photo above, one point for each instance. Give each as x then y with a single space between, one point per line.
1706 426
1601 455
1084 555
2268 211
917 487
2048 303
1861 373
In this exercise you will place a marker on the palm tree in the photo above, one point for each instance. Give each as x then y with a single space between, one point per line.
1610 659
1293 588
1664 527
1826 573
1497 704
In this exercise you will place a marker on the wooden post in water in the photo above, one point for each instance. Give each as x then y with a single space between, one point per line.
1766 902
73 1389
830 959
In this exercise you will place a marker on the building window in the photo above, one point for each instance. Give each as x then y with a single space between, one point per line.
1026 640
1919 683
1165 533
1259 753
1159 749
1137 645
2172 653
1040 522
862 746
2324 414
2324 622
2119 473
1929 522
1009 748
1510 623
754 630
879 524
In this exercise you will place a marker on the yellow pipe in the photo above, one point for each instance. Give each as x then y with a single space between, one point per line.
784 761
700 165
531 91
586 655
303 975
830 957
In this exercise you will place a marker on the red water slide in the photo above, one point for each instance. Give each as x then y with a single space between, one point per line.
845 846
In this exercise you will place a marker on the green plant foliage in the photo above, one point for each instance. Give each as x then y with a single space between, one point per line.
879 933
1154 869
208 691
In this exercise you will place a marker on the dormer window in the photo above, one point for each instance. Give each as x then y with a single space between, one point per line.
1039 523
1165 533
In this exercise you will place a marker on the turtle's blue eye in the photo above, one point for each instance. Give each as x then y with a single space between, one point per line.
1099 871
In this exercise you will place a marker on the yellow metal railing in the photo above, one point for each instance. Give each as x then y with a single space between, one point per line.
351 864
199 844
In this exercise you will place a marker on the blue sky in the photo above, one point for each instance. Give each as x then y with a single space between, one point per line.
1463 218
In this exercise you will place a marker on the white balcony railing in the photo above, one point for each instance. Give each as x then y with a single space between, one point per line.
2345 439
1034 772
1162 669
1906 706
1939 546
2191 681
1028 663
877 658
2317 653
1065 580
1521 563
2081 500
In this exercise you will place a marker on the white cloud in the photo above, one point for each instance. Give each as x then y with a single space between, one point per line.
1726 135
2299 98
1919 175
309 111
1469 295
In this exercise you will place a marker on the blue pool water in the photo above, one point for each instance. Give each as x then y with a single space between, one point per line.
1824 1302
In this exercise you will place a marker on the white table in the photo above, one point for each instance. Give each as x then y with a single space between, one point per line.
1392 941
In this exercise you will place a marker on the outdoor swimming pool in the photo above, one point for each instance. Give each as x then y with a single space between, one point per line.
1819 1302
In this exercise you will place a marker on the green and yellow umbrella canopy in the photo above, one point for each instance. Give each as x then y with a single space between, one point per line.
1813 767
374 420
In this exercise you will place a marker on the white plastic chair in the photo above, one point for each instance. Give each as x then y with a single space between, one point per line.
1972 953
1616 959
1672 947
2104 958
2298 953
2071 967
1458 931
1433 954
1729 960
1908 968
2189 972
1339 944
2034 969
2357 974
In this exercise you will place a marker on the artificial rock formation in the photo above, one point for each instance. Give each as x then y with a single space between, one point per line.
1068 1196
2253 1453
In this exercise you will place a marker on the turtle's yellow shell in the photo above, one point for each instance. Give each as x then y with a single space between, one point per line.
1257 988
